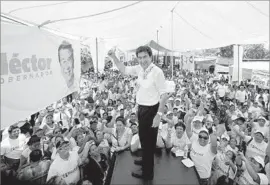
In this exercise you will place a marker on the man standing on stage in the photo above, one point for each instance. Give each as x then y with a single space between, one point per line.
151 85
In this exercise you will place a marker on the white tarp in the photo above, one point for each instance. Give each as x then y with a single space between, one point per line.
257 65
221 69
196 24
34 71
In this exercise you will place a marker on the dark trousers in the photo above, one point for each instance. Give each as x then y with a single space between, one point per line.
204 181
148 138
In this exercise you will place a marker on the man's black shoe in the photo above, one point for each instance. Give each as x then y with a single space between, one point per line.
139 175
138 162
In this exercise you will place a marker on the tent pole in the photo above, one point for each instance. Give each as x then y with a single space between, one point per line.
172 43
158 48
238 65
165 62
97 53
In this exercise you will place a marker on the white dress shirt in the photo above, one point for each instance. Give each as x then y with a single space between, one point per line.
241 96
221 89
152 87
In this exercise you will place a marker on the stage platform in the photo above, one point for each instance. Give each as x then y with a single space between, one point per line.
168 170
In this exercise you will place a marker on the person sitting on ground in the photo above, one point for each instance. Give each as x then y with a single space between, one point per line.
179 140
12 148
69 161
33 144
94 170
121 135
251 170
202 152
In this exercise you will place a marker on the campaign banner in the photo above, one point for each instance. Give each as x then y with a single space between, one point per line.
86 60
187 62
260 78
108 64
37 69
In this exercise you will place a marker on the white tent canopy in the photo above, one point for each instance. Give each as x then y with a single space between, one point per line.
196 24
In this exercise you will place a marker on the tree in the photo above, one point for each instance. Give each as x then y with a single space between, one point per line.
226 52
256 51
251 51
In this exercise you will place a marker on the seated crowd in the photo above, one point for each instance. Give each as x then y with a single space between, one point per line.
223 128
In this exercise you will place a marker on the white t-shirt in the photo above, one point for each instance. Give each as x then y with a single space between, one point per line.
231 94
123 139
13 148
202 157
221 90
83 155
241 96
234 150
175 120
255 149
85 122
62 117
245 114
255 111
264 129
49 129
163 130
136 138
180 143
27 151
202 92
246 179
66 169
220 167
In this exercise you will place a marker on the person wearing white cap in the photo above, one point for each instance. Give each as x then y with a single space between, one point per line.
209 121
223 165
231 93
203 91
177 102
241 95
221 89
175 115
167 125
244 111
202 151
197 126
232 146
261 126
170 103
267 166
255 110
223 143
256 146
253 170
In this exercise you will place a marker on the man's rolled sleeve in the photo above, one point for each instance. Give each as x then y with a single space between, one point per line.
160 82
